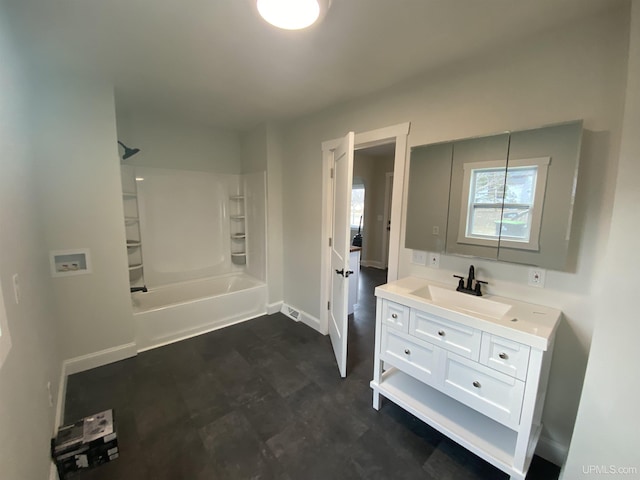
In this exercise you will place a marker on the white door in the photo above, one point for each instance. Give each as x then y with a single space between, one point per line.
340 245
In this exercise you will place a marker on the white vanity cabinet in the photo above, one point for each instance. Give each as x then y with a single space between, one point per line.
480 380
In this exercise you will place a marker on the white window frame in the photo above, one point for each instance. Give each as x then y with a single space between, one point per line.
5 337
542 164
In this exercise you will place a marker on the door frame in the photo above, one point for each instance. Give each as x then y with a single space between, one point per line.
386 234
395 133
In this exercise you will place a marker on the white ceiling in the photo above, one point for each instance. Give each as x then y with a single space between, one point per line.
216 61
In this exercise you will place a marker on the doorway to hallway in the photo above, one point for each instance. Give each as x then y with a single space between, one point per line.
362 323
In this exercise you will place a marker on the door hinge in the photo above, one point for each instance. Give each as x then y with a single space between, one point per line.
332 173
330 243
328 305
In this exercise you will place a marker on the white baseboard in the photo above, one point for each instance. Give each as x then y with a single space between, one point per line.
274 308
311 321
554 452
372 263
62 395
293 313
59 417
300 316
98 359
53 472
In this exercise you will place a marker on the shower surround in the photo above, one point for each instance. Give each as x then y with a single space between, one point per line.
187 220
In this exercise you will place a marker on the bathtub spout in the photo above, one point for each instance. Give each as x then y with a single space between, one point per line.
139 289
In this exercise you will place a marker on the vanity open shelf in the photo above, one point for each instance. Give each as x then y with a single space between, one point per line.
475 369
478 433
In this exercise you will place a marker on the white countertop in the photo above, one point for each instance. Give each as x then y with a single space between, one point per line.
527 323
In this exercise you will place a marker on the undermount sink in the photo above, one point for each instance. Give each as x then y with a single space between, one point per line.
454 300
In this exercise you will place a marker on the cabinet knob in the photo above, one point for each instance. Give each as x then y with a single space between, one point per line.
407 351
441 333
394 315
476 384
503 356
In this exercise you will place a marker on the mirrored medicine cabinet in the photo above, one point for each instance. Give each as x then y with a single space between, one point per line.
506 197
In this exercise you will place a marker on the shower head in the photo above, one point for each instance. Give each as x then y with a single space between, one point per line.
128 152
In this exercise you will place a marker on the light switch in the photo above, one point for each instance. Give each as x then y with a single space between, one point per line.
419 258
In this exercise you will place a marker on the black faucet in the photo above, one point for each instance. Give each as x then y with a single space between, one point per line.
469 288
471 278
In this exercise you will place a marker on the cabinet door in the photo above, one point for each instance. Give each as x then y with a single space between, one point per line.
505 355
475 212
395 315
420 360
427 206
496 395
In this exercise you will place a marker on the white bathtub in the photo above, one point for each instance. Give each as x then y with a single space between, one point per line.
174 312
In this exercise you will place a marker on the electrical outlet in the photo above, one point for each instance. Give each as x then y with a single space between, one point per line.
434 260
419 258
536 277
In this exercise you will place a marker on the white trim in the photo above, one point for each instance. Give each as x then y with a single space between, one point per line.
381 136
274 307
465 201
312 322
542 164
303 317
551 450
538 202
388 183
395 133
57 423
373 264
62 395
285 311
98 359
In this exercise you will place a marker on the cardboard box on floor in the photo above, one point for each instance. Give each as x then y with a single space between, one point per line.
86 443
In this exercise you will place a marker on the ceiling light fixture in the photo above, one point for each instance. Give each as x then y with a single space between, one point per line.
292 14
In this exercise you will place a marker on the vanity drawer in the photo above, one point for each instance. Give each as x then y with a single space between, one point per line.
395 315
452 336
418 360
505 356
497 395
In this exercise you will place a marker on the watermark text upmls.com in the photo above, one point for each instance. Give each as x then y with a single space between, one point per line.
609 470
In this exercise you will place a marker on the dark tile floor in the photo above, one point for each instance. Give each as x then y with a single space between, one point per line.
263 400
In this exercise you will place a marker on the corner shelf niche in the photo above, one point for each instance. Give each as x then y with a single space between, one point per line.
238 230
132 226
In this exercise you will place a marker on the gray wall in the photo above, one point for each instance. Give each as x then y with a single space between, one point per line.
574 72
606 430
170 141
78 169
26 419
262 152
